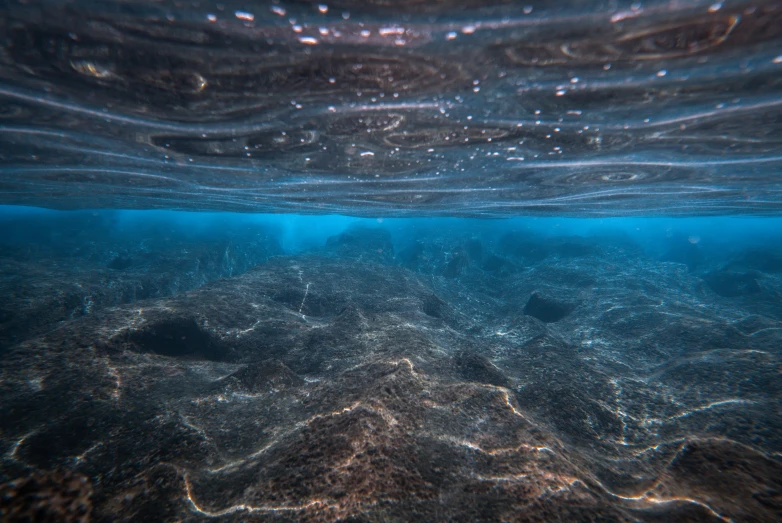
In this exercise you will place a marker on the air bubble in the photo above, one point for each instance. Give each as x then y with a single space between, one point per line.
244 15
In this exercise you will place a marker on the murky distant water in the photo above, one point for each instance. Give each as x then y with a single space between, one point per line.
393 107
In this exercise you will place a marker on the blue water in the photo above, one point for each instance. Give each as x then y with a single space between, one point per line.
719 237
391 260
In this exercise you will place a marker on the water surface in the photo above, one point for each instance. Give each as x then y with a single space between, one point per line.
394 108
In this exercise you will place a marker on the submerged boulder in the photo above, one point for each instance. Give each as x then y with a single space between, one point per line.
120 263
263 376
524 246
686 253
412 255
474 367
497 265
456 264
474 249
61 496
732 284
573 248
433 306
768 260
547 309
178 337
365 243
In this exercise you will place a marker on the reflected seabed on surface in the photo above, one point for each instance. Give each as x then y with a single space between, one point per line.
389 108
455 260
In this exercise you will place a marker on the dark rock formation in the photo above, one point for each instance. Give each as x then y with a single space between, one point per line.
120 263
684 252
547 309
412 256
474 367
59 281
573 248
364 243
474 249
264 376
767 260
732 284
459 260
524 246
495 264
51 497
433 306
176 336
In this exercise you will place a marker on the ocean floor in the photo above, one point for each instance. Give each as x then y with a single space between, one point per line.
445 378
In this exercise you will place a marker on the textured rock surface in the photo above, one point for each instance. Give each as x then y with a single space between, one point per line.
365 387
70 278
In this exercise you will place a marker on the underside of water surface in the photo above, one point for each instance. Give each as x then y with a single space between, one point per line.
391 260
404 107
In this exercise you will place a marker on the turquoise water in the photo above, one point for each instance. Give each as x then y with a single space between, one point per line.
375 260
720 237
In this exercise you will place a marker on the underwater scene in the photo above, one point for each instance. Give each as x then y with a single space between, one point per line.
391 261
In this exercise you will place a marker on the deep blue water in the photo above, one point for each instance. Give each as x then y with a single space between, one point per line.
719 238
391 260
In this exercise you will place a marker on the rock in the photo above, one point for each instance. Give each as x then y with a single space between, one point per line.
768 260
474 367
412 255
457 263
433 306
49 497
68 280
368 243
176 336
357 389
686 253
573 248
120 263
271 374
495 264
546 309
524 246
571 278
732 284
474 249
